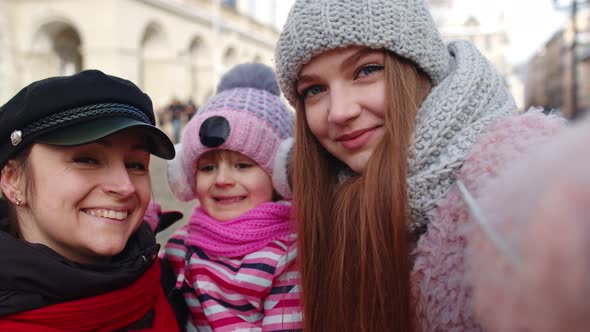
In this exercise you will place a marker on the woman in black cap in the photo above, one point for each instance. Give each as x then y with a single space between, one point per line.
74 250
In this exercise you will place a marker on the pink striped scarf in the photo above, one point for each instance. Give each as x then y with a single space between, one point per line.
245 234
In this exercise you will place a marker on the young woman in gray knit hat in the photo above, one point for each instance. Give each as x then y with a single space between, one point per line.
390 124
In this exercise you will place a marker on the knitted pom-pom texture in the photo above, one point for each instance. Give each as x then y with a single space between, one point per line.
250 75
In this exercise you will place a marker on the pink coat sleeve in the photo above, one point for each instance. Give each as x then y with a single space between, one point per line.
282 305
540 209
442 293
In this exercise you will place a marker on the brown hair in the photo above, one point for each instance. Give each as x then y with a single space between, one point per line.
22 168
353 238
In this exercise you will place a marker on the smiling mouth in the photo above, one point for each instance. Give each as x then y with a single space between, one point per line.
106 213
355 134
356 139
229 199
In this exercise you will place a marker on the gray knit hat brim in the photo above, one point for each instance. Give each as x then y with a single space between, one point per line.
404 27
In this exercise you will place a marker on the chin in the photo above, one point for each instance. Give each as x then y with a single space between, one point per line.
108 250
358 165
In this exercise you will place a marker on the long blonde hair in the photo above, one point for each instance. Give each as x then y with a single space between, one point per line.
353 238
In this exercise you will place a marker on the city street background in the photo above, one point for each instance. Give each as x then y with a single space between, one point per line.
176 50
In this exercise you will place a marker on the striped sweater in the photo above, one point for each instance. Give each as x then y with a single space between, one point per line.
256 292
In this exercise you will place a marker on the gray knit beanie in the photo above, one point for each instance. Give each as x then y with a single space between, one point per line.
404 27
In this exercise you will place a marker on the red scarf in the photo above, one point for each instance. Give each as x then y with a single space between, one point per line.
104 312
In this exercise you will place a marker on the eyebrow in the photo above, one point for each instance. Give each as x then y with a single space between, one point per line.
349 61
356 56
305 79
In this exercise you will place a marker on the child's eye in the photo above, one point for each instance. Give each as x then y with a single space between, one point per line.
368 70
206 168
312 91
86 160
243 165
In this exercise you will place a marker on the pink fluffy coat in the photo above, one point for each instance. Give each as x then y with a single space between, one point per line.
442 291
541 281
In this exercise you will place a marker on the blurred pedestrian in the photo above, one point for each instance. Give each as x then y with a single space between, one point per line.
177 111
191 109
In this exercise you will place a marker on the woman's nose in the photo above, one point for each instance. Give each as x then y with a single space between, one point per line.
119 181
343 106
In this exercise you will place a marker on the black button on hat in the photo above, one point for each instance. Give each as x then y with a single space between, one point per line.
77 109
214 131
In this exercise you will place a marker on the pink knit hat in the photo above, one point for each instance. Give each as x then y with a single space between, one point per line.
247 116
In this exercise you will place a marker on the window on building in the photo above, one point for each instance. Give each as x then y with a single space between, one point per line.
230 3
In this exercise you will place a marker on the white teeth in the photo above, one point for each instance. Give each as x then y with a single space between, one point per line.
111 214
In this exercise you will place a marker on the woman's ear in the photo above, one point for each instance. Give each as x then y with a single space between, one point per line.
11 183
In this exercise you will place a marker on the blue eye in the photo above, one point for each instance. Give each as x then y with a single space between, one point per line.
368 70
312 91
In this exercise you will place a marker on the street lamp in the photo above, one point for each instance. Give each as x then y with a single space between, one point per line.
573 6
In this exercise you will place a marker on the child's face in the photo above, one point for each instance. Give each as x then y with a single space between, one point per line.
230 184
343 93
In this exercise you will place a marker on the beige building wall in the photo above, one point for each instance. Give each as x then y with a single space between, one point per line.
487 32
582 70
170 48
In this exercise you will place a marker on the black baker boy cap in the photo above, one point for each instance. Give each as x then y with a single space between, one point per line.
75 110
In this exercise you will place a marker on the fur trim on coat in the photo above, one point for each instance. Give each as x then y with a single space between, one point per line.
442 295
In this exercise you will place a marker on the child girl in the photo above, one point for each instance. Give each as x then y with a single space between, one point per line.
235 259
74 250
389 120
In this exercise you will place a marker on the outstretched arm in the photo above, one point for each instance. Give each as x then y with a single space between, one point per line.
540 209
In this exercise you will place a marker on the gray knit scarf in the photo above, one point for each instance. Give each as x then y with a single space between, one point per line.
448 123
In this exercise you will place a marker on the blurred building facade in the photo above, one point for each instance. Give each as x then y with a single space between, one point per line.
170 48
549 75
545 75
487 30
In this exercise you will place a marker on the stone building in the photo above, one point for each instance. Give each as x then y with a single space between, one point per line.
545 75
550 79
484 27
170 48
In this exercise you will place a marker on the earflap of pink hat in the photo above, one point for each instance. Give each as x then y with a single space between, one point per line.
281 174
177 179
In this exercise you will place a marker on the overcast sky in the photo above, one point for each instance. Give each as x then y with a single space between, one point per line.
530 23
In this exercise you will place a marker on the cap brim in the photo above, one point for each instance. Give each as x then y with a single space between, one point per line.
82 133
